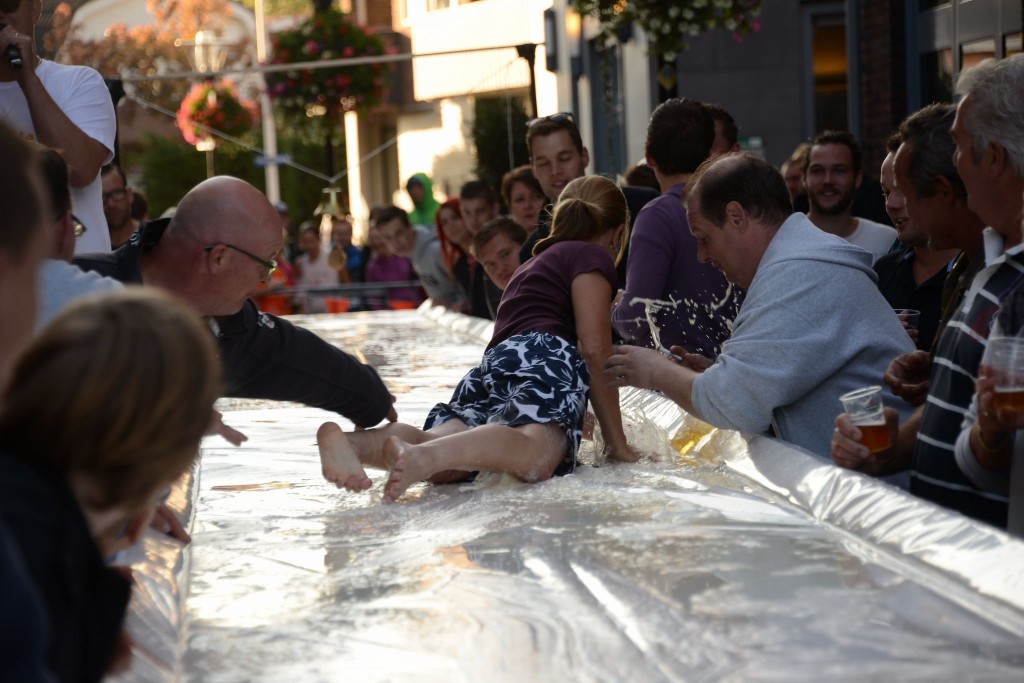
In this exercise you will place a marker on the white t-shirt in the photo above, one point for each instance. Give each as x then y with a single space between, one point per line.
874 237
83 96
314 273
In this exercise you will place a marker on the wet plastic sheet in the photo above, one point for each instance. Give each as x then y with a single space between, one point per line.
743 559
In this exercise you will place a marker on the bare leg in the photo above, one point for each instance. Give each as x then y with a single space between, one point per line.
529 453
342 456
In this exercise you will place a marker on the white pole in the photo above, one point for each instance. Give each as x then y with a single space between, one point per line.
266 112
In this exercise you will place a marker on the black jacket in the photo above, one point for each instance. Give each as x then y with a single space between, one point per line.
85 600
264 356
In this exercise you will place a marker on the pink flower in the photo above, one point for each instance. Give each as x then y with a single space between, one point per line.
348 51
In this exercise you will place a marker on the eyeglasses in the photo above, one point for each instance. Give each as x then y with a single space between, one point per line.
77 226
560 117
271 265
117 195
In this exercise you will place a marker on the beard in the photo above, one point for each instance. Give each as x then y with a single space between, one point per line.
839 205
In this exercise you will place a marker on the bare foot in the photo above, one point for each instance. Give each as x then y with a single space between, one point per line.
339 461
406 468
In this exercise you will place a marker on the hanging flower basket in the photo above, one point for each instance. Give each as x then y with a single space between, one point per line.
333 90
669 25
216 106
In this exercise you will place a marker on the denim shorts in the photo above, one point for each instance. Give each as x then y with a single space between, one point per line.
533 378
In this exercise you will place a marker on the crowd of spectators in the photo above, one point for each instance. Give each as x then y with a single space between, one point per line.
746 311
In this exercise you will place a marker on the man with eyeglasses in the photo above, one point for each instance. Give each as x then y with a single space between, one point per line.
117 205
59 282
62 106
220 244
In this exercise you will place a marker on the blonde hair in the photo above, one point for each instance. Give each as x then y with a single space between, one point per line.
587 208
118 388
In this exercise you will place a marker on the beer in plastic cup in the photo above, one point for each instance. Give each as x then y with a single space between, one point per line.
911 316
1005 358
865 409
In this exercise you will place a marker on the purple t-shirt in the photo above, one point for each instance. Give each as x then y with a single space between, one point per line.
538 298
663 265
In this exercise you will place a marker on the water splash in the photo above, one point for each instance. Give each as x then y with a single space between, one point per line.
651 308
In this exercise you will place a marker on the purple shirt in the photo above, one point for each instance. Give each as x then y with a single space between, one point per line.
393 268
663 266
538 298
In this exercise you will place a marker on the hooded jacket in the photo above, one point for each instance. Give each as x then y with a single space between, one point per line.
813 326
427 207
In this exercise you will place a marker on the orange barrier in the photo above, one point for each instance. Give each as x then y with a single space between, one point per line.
337 305
275 304
402 305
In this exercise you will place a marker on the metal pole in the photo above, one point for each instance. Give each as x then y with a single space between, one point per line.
270 174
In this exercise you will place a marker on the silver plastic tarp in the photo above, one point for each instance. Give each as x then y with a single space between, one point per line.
742 558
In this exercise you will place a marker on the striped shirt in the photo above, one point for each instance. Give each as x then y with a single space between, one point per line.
935 475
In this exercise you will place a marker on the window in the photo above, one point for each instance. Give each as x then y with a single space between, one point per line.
937 76
1012 44
829 70
975 52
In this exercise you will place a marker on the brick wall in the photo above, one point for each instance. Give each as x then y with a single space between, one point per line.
883 81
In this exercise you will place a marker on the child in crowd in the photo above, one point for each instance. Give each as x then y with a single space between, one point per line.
313 269
521 411
103 411
383 265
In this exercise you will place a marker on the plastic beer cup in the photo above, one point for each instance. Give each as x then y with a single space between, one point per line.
910 316
1005 358
864 407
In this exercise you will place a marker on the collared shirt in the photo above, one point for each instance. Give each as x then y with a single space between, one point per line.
935 475
897 284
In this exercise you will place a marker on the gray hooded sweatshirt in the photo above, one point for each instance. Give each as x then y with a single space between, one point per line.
812 327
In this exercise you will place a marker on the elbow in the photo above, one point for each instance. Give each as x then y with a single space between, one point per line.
79 176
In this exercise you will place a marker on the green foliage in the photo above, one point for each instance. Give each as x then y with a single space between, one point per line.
299 190
668 25
171 167
491 137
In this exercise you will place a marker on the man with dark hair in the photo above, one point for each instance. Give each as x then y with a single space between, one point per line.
832 176
216 249
420 245
670 298
478 204
117 205
726 131
812 327
912 276
60 282
494 245
496 248
557 156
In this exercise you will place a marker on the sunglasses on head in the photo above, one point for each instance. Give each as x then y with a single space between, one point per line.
560 117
